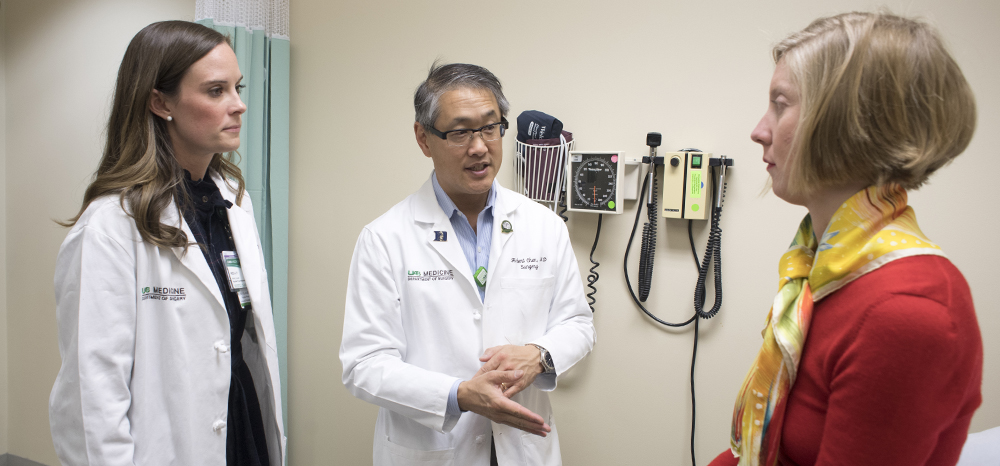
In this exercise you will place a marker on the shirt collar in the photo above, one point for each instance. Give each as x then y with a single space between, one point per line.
448 206
204 193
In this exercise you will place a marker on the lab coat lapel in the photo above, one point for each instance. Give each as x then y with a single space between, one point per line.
431 218
245 235
244 228
247 241
192 257
503 208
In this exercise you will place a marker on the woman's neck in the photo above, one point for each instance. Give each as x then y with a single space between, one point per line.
825 203
190 158
196 166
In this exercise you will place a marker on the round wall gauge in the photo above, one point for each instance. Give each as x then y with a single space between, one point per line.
593 182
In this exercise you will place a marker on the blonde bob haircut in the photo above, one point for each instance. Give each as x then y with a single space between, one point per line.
881 101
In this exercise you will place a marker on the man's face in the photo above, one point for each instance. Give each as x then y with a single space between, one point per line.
465 173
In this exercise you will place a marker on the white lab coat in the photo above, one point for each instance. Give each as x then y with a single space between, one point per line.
414 324
145 337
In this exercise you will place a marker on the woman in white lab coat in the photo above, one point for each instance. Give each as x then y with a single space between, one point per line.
165 326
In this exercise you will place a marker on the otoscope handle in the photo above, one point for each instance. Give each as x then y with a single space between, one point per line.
653 140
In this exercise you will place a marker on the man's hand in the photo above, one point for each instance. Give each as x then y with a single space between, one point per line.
483 396
527 358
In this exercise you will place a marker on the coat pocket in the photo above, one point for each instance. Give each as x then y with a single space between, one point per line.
398 455
541 450
524 307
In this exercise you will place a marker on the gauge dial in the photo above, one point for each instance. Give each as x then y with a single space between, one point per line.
594 184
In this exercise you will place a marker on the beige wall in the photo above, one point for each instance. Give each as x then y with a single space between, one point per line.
3 234
697 72
611 71
61 61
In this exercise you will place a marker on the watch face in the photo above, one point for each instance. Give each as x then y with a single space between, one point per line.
548 362
546 359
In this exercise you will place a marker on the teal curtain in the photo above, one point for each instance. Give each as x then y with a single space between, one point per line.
264 61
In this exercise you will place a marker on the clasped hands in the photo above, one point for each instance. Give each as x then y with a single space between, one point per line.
507 370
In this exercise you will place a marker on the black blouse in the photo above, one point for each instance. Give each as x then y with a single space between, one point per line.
246 444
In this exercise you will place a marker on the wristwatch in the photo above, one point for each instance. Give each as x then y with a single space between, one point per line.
547 365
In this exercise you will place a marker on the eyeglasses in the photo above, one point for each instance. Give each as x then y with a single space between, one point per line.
462 137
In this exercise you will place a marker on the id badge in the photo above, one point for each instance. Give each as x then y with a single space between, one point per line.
235 274
480 276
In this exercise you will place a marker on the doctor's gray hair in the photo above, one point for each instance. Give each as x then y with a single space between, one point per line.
443 78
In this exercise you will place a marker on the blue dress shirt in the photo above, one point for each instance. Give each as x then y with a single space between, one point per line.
476 247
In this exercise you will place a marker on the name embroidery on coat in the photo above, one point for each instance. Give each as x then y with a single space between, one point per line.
429 275
163 293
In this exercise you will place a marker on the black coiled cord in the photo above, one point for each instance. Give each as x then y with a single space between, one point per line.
648 242
635 226
562 203
713 250
594 276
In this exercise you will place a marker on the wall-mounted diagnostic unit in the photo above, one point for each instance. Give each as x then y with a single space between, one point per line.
694 188
592 181
687 185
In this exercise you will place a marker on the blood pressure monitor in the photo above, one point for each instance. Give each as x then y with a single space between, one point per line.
592 182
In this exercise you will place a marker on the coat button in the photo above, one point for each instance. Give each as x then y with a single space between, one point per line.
221 347
476 315
204 198
218 425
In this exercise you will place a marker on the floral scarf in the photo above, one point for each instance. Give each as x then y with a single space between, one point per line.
871 229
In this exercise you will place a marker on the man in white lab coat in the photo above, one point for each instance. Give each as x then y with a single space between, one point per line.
464 301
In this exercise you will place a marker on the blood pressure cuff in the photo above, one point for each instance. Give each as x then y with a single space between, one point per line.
555 141
532 124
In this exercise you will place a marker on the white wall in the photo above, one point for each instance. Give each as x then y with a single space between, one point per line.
697 72
611 71
3 233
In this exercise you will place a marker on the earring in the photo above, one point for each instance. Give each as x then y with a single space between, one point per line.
170 118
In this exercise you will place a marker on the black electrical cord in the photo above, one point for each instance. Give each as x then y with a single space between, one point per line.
713 249
635 226
694 252
594 276
694 351
562 203
694 356
648 240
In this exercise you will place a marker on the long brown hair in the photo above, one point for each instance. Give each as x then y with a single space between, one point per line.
138 162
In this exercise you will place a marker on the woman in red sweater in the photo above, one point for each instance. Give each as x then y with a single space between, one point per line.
872 354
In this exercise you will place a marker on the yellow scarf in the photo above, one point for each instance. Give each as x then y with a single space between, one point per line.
871 229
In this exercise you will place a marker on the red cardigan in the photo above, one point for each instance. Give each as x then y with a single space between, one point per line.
890 372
